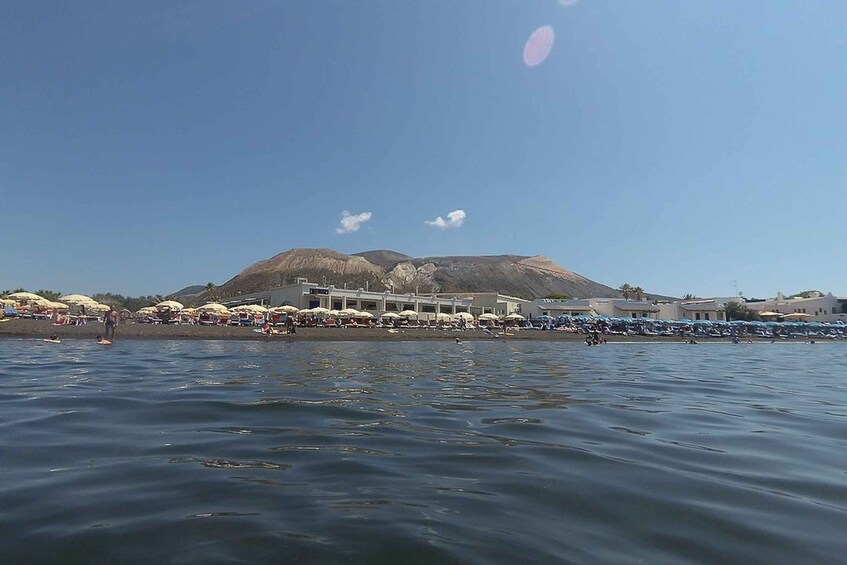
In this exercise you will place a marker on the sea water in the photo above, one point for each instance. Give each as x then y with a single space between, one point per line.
424 452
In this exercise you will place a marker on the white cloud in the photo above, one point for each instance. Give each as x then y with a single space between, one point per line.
455 219
352 222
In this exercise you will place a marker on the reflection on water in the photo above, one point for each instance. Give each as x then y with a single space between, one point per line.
422 452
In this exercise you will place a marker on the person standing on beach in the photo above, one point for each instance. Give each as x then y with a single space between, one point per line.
109 321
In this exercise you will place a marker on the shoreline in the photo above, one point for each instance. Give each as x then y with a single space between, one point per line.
18 328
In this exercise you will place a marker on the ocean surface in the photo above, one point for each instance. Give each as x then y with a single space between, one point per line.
426 452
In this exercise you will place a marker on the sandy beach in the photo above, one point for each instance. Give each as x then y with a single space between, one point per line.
17 328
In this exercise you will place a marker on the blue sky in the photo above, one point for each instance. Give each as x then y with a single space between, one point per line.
678 146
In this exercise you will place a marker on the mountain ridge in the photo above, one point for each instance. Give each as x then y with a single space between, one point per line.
522 276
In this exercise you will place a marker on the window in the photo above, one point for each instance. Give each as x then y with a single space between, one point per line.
707 315
697 316
336 305
634 314
428 308
445 309
408 307
352 303
368 305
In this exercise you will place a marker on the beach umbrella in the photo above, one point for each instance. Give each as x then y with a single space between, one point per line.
349 312
797 316
169 305
288 309
442 317
390 315
58 305
25 296
514 316
408 314
493 317
304 311
213 308
250 309
97 307
364 315
463 316
76 299
146 311
320 310
334 312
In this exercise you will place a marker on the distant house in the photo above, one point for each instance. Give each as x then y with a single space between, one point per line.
824 308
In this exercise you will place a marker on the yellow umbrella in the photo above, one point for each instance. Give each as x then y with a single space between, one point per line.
97 307
147 310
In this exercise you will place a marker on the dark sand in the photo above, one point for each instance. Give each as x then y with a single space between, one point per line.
17 328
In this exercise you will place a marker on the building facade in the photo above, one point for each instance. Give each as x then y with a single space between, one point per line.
305 294
823 308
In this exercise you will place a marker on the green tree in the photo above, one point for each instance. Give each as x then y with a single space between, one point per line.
626 290
211 292
639 293
689 296
739 311
556 296
52 295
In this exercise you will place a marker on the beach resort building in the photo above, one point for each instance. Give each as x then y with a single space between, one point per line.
492 303
610 307
304 294
820 308
710 309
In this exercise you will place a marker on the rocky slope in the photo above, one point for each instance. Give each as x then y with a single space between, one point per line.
525 277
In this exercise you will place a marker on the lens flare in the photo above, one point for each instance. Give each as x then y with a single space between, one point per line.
538 46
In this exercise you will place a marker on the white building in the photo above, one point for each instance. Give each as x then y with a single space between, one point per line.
492 303
305 294
711 309
823 308
611 307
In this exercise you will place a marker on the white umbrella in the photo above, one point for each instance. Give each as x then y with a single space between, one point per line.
489 316
213 307
351 312
364 315
463 316
320 310
169 305
77 299
408 313
442 316
334 312
147 310
96 307
24 296
250 308
288 309
390 315
516 317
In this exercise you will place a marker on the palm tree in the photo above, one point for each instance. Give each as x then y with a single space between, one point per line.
639 293
212 290
626 290
689 296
